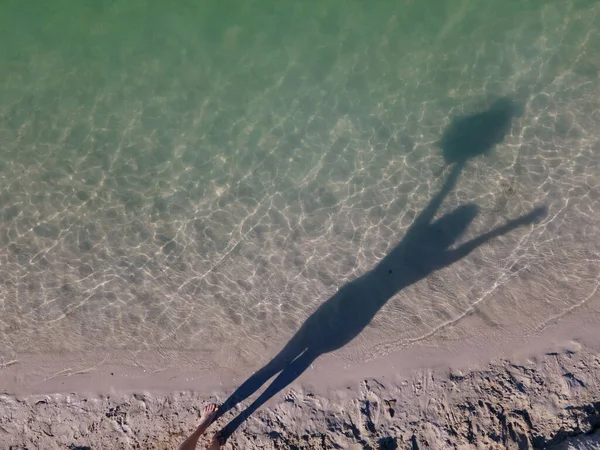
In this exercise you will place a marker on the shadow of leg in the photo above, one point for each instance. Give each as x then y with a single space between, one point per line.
289 374
289 353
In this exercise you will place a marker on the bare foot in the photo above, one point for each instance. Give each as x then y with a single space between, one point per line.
207 417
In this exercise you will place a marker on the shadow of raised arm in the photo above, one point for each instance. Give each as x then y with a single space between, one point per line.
466 248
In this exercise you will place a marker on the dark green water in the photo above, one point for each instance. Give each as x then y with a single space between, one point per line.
201 175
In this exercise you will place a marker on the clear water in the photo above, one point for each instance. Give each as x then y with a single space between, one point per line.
201 176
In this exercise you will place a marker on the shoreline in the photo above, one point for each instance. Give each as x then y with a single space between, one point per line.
168 371
542 394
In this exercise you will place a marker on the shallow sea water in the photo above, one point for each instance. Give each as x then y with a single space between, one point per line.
201 177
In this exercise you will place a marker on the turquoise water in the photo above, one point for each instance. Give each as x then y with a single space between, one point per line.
201 176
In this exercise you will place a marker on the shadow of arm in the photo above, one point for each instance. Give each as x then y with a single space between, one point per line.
454 255
427 215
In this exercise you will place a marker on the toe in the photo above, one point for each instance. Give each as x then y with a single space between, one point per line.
210 409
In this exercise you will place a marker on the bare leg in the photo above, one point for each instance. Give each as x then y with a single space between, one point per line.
208 415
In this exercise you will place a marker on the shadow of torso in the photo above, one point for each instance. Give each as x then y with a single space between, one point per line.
345 315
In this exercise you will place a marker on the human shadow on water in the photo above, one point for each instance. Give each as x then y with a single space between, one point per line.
426 247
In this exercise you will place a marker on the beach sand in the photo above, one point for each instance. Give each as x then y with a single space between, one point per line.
541 393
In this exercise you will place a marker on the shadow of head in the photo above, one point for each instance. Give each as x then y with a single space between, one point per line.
476 134
445 231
